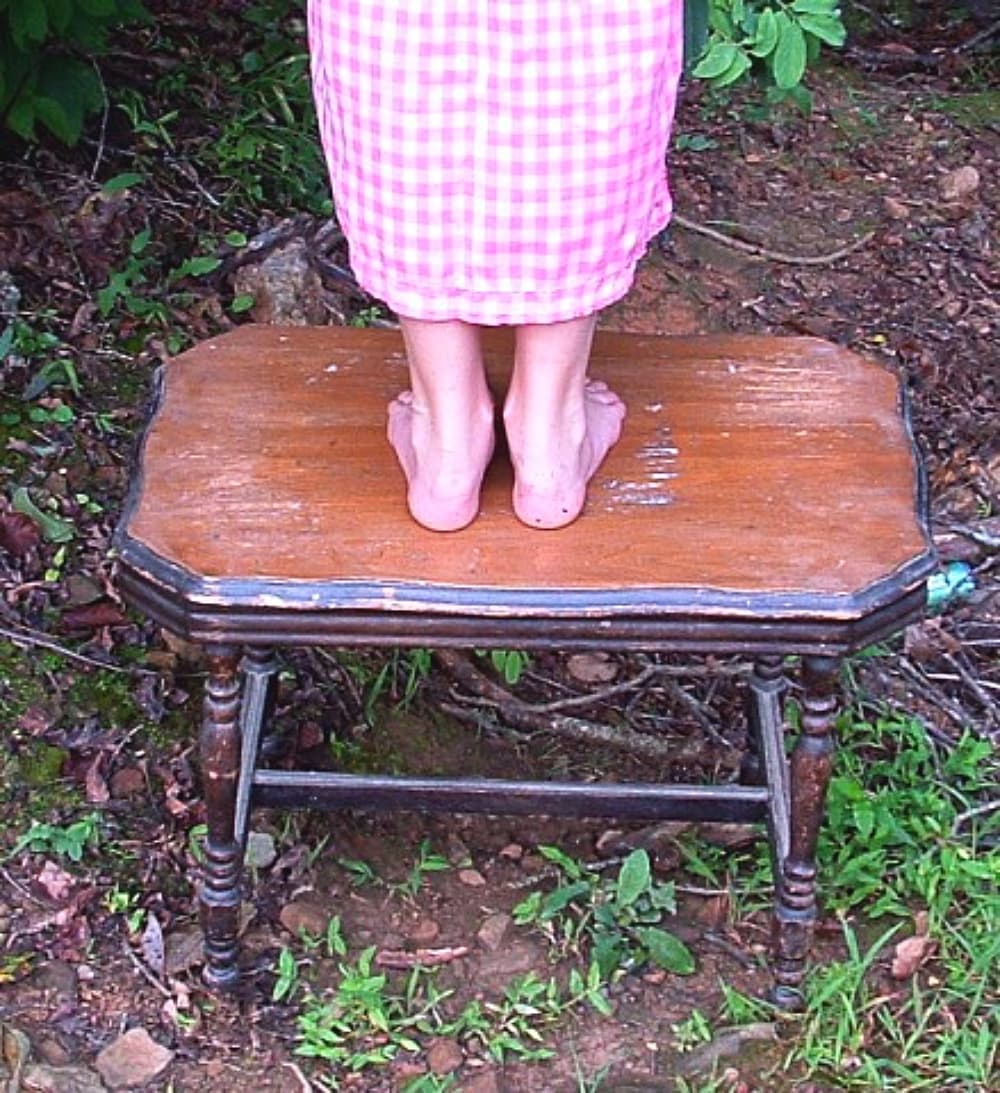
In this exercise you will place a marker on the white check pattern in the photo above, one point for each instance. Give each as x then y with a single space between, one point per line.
497 161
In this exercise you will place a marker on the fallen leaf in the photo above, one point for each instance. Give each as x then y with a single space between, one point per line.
55 882
151 944
961 183
92 616
592 667
35 720
19 535
95 785
911 952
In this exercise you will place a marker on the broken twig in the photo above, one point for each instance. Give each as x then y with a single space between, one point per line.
757 251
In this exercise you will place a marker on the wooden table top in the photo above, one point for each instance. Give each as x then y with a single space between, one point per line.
752 471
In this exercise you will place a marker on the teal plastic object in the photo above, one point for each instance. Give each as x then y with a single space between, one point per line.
954 582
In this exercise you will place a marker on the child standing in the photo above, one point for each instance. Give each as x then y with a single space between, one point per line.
498 162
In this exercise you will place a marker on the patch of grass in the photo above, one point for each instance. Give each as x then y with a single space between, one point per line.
974 109
902 838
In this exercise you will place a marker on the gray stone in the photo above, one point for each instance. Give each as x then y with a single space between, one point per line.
493 930
261 851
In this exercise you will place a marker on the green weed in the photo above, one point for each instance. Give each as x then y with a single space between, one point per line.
616 921
693 1031
362 874
69 840
397 676
509 664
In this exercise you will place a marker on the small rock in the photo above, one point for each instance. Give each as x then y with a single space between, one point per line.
61 1079
127 782
55 882
423 932
444 1056
52 1052
592 667
472 878
287 290
261 851
132 1060
302 915
82 590
959 184
509 960
512 852
894 209
183 950
492 931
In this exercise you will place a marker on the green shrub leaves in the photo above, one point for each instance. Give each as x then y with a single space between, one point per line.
777 37
47 79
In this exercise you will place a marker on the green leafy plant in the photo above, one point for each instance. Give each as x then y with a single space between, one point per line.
427 862
694 1030
47 74
54 528
70 840
779 38
619 920
288 976
509 664
265 147
362 1025
362 874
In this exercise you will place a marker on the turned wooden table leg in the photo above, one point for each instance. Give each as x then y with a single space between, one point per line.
220 764
811 763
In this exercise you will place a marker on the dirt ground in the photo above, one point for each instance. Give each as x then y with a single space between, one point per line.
895 171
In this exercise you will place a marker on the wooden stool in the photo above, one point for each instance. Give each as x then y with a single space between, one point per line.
764 499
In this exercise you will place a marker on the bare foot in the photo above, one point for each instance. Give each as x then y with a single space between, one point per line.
551 471
443 479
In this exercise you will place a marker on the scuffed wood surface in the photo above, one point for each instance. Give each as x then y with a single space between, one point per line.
748 464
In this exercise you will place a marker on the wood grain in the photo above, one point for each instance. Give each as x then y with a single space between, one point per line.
748 464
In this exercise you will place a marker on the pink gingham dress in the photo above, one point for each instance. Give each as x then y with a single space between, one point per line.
497 161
